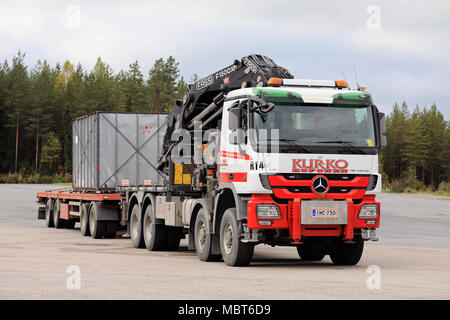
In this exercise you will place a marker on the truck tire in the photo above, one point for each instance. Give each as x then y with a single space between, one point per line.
97 228
308 252
111 229
234 252
49 214
155 235
348 254
137 237
84 220
174 235
57 221
69 224
202 238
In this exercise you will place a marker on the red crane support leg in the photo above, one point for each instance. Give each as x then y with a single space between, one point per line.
348 231
296 221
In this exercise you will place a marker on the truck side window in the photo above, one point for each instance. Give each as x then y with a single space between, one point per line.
243 121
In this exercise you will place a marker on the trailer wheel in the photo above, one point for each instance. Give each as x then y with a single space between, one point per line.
348 253
137 237
84 220
111 229
49 214
308 252
97 228
234 252
202 238
57 221
69 224
155 235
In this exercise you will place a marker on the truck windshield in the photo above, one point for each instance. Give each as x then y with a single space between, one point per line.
350 126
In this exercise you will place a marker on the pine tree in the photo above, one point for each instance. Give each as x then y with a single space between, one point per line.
162 86
51 151
133 92
39 117
17 100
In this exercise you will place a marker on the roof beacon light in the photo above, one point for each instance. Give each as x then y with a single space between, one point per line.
275 82
341 84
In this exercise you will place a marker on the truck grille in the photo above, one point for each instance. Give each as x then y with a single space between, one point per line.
298 185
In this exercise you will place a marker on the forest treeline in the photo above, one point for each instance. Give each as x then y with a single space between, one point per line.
37 106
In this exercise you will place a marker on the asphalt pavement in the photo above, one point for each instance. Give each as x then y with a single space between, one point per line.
411 261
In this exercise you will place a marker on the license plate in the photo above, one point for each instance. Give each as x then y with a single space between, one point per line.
324 212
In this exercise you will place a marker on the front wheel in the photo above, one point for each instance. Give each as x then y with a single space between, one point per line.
308 252
348 253
234 252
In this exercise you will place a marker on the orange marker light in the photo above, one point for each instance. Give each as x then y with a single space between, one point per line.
341 84
275 81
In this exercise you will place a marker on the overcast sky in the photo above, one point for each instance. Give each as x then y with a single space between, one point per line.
400 49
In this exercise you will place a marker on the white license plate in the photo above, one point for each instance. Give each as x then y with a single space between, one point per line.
324 212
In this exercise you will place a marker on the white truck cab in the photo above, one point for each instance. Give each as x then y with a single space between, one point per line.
303 154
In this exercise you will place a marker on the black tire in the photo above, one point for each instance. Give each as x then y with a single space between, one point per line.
234 252
174 235
155 235
57 221
84 220
69 224
111 229
96 228
348 254
49 214
309 252
202 238
137 237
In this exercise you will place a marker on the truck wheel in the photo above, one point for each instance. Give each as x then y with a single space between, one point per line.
174 235
310 253
137 237
111 229
57 221
84 220
348 253
96 227
203 238
69 224
155 235
49 214
234 252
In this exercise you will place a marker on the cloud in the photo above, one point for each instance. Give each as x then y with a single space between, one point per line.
407 58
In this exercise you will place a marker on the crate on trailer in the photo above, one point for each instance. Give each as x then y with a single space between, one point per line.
115 149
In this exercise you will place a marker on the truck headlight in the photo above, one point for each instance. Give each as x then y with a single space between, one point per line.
368 211
267 211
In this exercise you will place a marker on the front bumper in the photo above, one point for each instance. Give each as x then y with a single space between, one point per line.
291 218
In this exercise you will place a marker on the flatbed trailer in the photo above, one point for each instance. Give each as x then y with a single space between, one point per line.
102 213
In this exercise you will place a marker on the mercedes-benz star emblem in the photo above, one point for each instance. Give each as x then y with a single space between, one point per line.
320 184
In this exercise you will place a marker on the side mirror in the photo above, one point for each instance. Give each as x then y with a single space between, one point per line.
382 126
